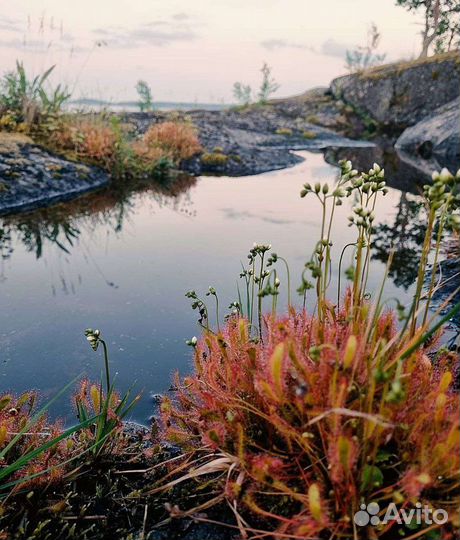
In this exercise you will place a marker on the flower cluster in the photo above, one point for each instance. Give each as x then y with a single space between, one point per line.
93 337
444 195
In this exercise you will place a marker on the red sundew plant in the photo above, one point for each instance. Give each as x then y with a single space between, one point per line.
313 426
32 450
302 419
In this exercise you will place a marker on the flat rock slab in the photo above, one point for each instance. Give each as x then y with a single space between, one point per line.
31 177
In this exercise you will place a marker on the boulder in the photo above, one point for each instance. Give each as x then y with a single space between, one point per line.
400 95
437 136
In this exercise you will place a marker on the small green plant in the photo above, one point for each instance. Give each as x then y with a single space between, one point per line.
242 93
144 92
26 98
268 86
108 407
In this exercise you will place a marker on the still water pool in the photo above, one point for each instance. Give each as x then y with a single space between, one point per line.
123 265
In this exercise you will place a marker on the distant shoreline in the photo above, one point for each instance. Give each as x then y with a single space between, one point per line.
132 106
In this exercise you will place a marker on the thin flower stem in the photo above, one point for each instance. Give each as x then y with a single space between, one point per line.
106 362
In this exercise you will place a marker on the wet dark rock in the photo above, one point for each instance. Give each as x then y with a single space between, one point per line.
31 177
259 138
405 172
435 137
401 94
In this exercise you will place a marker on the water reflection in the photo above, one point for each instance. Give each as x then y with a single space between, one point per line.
402 172
404 234
122 261
63 224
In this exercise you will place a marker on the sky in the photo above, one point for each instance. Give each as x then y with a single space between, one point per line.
194 50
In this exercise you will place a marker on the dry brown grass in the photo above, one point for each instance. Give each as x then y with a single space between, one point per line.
177 141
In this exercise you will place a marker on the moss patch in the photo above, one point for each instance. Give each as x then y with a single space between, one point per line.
389 70
214 158
309 135
284 131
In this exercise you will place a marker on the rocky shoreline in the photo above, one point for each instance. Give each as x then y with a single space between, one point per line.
31 177
404 113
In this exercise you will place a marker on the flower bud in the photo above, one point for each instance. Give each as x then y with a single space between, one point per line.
445 175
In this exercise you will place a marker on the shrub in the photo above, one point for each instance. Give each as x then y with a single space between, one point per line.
95 140
91 138
177 141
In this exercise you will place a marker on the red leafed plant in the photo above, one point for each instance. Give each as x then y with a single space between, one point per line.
26 458
315 422
301 421
178 141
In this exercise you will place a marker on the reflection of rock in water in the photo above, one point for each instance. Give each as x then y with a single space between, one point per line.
402 171
405 235
61 225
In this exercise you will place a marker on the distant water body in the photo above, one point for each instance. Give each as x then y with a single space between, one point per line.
132 106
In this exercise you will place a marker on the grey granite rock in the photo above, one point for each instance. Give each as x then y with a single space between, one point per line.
31 177
437 136
401 94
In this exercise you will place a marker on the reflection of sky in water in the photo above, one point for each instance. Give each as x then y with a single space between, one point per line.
131 283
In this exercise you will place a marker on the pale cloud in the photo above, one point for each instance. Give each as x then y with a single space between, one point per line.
273 44
331 47
181 16
158 33
10 25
